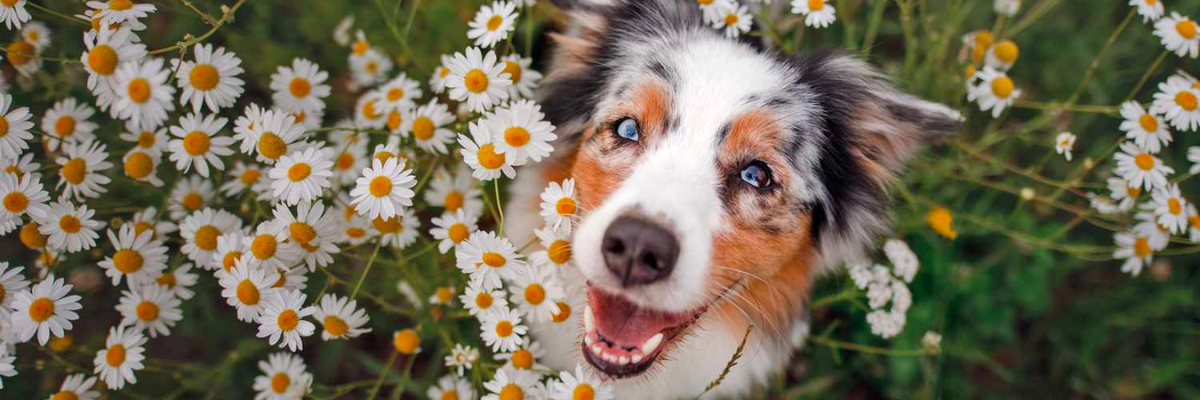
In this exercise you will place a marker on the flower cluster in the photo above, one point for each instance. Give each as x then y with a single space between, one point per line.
888 285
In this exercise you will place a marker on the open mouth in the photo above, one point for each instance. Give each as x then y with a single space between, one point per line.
623 339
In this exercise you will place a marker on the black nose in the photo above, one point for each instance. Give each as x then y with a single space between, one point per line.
638 251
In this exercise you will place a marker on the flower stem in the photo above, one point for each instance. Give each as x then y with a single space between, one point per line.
366 270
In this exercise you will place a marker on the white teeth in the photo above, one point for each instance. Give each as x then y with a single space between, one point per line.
623 360
610 358
589 321
637 358
589 339
652 344
596 349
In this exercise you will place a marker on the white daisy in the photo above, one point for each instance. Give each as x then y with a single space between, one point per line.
479 300
246 177
525 358
149 220
1169 208
557 244
13 13
399 93
1002 55
1178 101
211 79
1140 168
1148 226
477 79
230 248
178 281
384 189
120 358
450 387
149 308
70 228
283 317
245 127
143 96
367 111
283 378
488 258
428 127
817 13
456 190
492 23
140 166
246 288
398 231
462 358
510 384
11 282
1193 155
453 228
300 87
274 136
480 153
82 166
22 165
119 11
1179 35
14 128
559 203
108 50
1135 249
152 142
994 91
44 309
198 143
301 176
732 18
23 57
1007 8
340 318
372 67
1144 128
76 387
311 232
136 258
522 133
437 82
1193 223
21 196
536 292
68 122
341 32
190 194
37 34
350 162
201 230
1063 143
582 385
1150 10
266 250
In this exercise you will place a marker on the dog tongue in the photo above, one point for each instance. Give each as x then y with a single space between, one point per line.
627 324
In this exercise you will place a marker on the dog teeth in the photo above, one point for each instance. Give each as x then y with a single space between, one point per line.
589 339
637 358
624 360
652 344
610 358
597 350
589 321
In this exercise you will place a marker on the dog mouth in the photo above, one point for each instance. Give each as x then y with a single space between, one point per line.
623 339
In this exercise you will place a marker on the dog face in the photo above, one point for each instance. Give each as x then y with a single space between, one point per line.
715 177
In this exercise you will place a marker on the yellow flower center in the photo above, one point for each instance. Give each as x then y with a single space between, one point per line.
230 260
65 126
288 320
383 156
196 143
345 161
512 392
250 176
299 172
1133 191
335 326
522 359
559 251
204 77
488 157
142 226
302 232
193 201
280 382
206 237
41 309
147 311
263 246
483 300
369 110
65 395
128 261
31 237
1186 100
564 312
566 206
443 71
1174 206
444 294
449 395
458 233
271 146
454 201
115 355
361 47
139 165
1141 247
513 69
355 232
167 279
394 120
139 90
385 226
372 66
407 341
1007 51
120 5
146 139
516 136
61 344
494 22
816 5
423 128
494 260
395 94
102 59
504 329
1194 221
380 186
75 170
299 87
1148 122
3 127
583 392
15 202
1145 161
20 52
535 294
247 293
282 278
1002 87
69 224
941 221
476 81
1186 28
731 19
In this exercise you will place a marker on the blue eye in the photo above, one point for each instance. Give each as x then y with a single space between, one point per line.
628 129
757 174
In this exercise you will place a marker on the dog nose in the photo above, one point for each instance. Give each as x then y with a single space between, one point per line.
638 251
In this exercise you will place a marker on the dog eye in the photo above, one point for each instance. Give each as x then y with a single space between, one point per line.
628 129
757 174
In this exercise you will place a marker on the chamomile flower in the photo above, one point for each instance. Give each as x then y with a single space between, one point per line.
274 136
198 143
732 18
479 300
22 196
399 93
487 258
310 232
14 128
245 127
371 68
14 14
107 50
121 357
1169 208
477 79
522 133
462 358
119 11
190 194
246 177
994 91
178 281
11 282
149 220
480 153
301 176
230 248
559 204
1063 143
1141 168
453 228
367 112
1007 8
1179 35
1193 155
149 308
20 166
1002 55
37 34
212 79
140 166
77 387
510 384
582 385
1150 10
384 189
341 32
283 319
136 258
524 79
492 23
300 87
340 318
44 309
1135 249
361 45
437 82
454 190
295 279
201 230
246 288
524 358
354 227
1144 128
68 122
23 56
1193 223
557 242
399 231
266 250
1178 101
349 163
442 296
69 228
284 378
82 166
536 292
817 13
142 94
428 127
151 142
450 387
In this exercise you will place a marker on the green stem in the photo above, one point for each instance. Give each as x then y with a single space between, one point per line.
366 270
383 374
862 348
221 22
38 7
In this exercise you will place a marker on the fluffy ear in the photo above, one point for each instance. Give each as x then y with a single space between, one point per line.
870 129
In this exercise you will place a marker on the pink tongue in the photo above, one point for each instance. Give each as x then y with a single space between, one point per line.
626 324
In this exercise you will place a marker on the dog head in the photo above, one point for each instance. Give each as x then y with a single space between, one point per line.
716 177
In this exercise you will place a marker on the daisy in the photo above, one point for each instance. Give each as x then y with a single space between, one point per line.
438 81
1150 10
151 142
13 13
190 194
1193 223
442 296
14 128
1169 208
1002 55
201 230
477 80
524 79
462 358
20 166
537 292
246 287
140 166
479 300
1148 226
301 176
274 136
20 196
407 341
37 34
149 308
482 155
522 133
995 91
428 127
137 258
341 33
300 87
148 220
492 23
340 317
559 204
557 242
371 68
1144 128
1135 249
283 378
1179 35
734 19
211 79
384 189
246 177
70 228
118 11
68 122
121 356
350 162
487 258
82 164
11 282
295 279
266 250
524 358
197 143
32 239
23 56
817 13
398 231
311 232
178 281
510 384
43 309
245 127
354 227
1178 101
308 120
399 93
1140 168
142 94
107 50
361 45
1193 155
1063 144
283 317
454 191
582 385
502 329
76 387
1007 8
450 387
453 228
230 249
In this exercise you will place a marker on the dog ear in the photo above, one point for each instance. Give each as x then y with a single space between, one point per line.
870 131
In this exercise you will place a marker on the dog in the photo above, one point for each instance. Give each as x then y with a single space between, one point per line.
716 179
